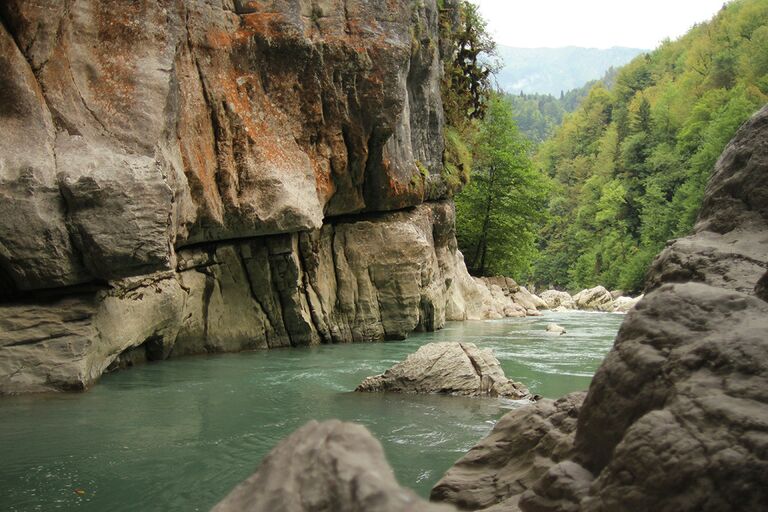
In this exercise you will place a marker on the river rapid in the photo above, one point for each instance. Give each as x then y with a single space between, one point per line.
178 435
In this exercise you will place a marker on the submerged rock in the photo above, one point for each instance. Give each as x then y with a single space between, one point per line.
557 299
325 467
448 367
594 299
555 329
523 445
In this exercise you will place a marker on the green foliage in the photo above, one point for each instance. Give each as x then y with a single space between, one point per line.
466 51
467 67
457 160
631 163
499 211
539 115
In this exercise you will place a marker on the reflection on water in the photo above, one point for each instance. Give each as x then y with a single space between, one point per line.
179 435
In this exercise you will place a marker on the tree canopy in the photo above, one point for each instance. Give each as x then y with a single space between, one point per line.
498 211
629 166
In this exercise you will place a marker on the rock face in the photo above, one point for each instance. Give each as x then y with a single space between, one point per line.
675 418
325 467
557 299
594 299
218 175
523 445
448 367
135 130
488 298
359 281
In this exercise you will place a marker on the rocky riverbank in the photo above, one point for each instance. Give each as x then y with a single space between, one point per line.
211 176
205 177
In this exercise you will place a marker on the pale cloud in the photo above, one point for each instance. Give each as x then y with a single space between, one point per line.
593 23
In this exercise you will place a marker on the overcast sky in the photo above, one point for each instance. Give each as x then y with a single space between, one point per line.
593 23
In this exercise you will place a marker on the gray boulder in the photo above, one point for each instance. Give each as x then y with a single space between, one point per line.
528 300
325 467
447 367
594 299
678 404
624 304
556 299
523 445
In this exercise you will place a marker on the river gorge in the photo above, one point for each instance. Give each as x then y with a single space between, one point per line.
217 217
179 435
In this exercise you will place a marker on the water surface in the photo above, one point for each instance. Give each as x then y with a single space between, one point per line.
178 435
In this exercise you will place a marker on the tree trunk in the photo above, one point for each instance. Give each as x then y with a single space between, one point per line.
482 245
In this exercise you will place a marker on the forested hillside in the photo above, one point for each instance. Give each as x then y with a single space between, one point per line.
629 166
538 115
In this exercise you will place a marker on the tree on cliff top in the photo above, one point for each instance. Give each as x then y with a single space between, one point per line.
498 212
467 64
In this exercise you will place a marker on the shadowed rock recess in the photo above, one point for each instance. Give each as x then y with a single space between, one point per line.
676 418
219 175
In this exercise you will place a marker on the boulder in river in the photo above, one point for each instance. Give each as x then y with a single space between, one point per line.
556 299
555 329
528 300
448 367
624 304
329 466
594 299
523 445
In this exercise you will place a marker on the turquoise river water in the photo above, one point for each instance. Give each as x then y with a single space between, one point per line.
178 435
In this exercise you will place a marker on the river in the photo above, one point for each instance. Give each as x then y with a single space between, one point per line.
178 435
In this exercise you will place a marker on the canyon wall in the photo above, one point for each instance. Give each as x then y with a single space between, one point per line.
198 176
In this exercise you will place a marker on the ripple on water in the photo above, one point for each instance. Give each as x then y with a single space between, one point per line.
179 435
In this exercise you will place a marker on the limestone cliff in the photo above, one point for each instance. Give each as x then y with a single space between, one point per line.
134 129
216 175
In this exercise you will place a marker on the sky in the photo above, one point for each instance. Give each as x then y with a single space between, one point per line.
593 23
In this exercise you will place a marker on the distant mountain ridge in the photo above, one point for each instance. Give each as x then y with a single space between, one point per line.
555 70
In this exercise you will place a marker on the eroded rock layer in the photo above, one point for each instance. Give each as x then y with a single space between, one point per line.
359 281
